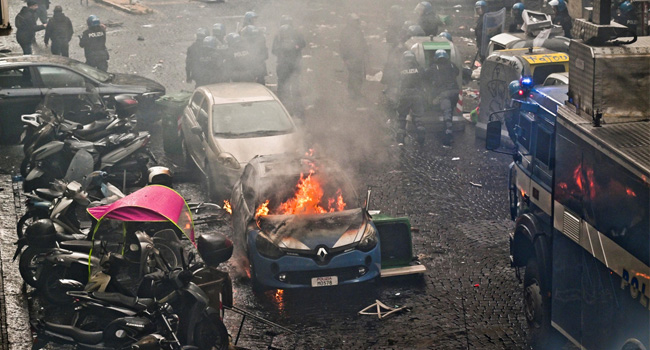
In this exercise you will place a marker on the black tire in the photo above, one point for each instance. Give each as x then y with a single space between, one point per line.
50 287
211 334
537 306
29 270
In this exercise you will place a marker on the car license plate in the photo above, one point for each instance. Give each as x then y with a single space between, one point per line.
324 281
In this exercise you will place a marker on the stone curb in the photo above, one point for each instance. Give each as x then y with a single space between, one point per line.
18 329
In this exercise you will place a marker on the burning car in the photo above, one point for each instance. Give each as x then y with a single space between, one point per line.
297 220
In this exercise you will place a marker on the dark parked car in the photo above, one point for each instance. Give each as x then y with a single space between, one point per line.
24 80
299 221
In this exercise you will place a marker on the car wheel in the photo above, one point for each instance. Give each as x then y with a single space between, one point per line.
537 306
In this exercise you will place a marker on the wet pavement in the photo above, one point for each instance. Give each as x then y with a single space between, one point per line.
456 197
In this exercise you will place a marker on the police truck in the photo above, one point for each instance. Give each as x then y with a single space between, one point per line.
580 194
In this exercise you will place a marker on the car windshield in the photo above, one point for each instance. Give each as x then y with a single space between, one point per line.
91 71
249 119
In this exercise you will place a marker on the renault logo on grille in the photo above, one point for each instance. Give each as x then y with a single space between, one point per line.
321 253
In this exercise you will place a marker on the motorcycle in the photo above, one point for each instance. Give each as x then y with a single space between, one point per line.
152 209
49 123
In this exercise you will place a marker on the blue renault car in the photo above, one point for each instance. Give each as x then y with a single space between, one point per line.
300 223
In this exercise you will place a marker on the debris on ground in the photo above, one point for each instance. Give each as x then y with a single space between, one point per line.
476 184
455 158
382 310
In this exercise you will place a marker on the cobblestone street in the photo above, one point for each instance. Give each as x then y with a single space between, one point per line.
456 197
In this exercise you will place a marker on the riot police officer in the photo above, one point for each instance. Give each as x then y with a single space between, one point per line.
210 65
627 15
562 16
517 19
240 59
354 51
249 19
479 8
287 47
219 31
427 18
93 40
411 79
193 55
255 42
444 85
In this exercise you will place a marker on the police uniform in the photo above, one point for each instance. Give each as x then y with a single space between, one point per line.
442 76
93 40
410 96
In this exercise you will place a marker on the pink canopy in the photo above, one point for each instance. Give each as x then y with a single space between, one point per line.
151 203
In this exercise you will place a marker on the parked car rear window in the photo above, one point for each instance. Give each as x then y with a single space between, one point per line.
264 118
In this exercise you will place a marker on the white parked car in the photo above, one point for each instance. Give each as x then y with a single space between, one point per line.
226 125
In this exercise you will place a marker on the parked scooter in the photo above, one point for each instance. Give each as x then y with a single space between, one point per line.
49 123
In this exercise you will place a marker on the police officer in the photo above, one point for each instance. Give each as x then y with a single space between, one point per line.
193 55
255 42
59 30
443 74
562 17
517 19
26 26
210 65
627 15
287 47
479 7
240 66
411 79
219 32
249 19
93 40
354 51
427 18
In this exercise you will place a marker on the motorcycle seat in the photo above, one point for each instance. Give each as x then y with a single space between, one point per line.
47 193
76 245
124 300
78 335
89 129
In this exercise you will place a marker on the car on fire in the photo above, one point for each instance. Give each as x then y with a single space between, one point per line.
25 80
225 125
298 220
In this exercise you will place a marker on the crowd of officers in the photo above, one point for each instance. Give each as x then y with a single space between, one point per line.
59 31
219 57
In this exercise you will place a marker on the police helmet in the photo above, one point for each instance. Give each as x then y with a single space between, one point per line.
416 30
423 8
559 4
513 88
445 35
480 4
201 33
160 175
518 8
440 55
626 7
93 21
286 19
232 38
218 30
249 17
210 42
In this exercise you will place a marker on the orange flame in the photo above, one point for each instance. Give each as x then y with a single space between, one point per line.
630 192
262 210
227 207
310 152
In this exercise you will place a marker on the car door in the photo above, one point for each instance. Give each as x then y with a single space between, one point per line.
190 125
66 83
19 94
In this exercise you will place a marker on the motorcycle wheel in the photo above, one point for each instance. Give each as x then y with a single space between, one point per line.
211 334
29 270
51 288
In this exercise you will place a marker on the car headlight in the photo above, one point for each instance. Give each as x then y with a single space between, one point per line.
369 239
267 248
228 160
